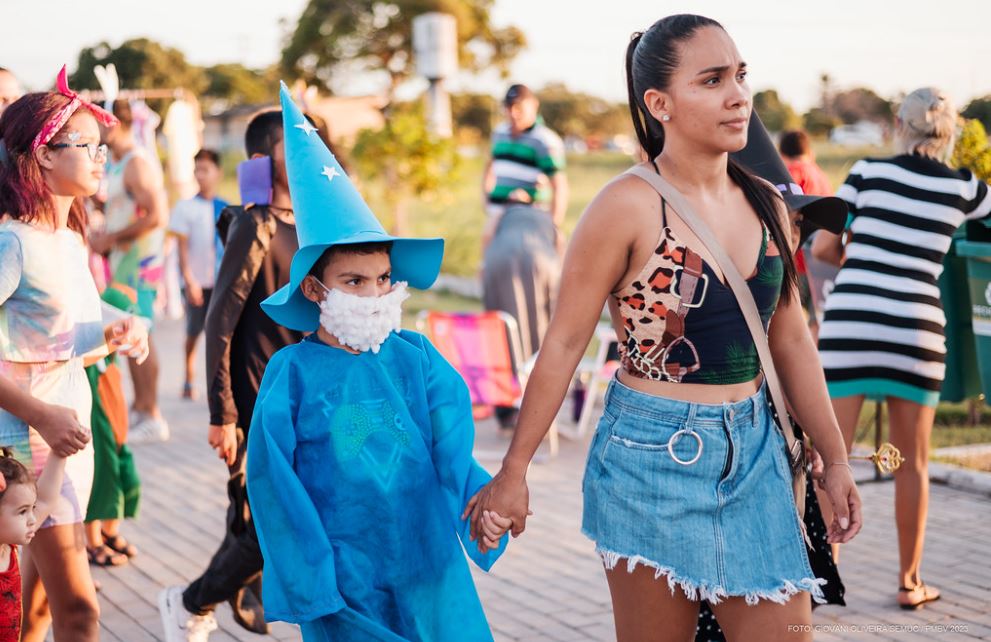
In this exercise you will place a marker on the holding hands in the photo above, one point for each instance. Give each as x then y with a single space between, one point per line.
494 526
60 428
502 504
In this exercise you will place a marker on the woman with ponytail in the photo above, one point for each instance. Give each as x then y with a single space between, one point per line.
51 321
688 489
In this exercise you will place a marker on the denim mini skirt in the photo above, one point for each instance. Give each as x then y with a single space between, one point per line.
701 493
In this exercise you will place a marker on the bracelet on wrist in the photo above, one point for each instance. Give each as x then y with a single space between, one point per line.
825 470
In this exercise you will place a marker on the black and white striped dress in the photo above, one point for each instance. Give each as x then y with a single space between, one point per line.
882 334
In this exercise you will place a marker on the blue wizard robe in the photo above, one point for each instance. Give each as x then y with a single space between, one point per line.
359 467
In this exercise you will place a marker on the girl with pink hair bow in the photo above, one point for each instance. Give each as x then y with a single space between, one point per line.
51 324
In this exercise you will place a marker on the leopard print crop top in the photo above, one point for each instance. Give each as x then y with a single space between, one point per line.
683 324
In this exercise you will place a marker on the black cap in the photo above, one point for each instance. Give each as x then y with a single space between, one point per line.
516 93
761 158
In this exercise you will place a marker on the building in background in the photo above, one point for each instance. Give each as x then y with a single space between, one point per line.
345 117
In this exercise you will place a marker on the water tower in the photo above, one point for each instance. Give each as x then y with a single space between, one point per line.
435 49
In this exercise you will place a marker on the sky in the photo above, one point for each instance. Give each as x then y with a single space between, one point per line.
891 47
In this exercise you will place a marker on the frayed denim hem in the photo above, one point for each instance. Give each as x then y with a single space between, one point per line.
714 594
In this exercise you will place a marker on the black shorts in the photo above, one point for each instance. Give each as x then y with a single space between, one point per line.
196 314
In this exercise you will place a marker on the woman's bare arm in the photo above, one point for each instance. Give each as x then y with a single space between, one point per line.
797 363
796 359
58 426
597 259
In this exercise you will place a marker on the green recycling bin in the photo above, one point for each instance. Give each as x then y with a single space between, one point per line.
978 256
962 379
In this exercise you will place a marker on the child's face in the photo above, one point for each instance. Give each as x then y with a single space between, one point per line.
207 176
358 274
72 171
17 522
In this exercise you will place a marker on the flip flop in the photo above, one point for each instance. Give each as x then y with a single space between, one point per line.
104 556
118 544
929 594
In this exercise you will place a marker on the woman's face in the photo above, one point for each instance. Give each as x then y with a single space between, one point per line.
708 98
70 167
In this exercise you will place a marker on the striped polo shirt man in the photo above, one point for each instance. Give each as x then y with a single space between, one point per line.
525 161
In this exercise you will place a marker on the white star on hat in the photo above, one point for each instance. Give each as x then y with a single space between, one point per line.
330 172
306 127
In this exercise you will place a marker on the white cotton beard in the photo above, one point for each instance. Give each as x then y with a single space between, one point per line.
363 323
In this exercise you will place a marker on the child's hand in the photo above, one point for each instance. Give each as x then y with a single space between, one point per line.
494 526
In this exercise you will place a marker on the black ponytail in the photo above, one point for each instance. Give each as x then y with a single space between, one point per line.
651 59
651 139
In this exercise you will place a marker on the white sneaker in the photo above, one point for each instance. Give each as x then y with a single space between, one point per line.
179 624
147 429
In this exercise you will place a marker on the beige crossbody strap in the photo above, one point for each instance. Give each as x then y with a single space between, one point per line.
749 307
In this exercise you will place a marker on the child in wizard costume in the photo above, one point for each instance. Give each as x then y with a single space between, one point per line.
359 453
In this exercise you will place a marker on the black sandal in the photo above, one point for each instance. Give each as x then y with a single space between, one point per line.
927 596
104 556
118 544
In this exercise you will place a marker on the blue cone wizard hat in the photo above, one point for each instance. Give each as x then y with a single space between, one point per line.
330 211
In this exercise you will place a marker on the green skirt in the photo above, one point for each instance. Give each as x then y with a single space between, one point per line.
116 488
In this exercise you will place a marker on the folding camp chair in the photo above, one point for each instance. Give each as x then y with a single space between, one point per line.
485 349
594 373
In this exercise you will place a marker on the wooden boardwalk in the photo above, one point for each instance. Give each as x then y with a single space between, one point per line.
549 585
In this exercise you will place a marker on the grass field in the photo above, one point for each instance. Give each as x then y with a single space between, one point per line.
951 427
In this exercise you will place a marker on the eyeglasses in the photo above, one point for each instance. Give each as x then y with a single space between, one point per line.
97 152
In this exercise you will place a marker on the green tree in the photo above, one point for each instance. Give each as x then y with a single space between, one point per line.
408 159
776 114
236 84
817 122
855 105
475 112
979 108
377 36
141 64
972 150
578 114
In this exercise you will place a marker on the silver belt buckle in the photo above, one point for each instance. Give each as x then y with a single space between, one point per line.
676 288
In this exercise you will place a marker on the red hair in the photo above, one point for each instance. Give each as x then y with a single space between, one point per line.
24 195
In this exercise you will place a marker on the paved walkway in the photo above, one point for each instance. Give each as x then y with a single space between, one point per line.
549 585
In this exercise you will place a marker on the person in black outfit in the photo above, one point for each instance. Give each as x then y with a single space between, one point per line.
260 241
